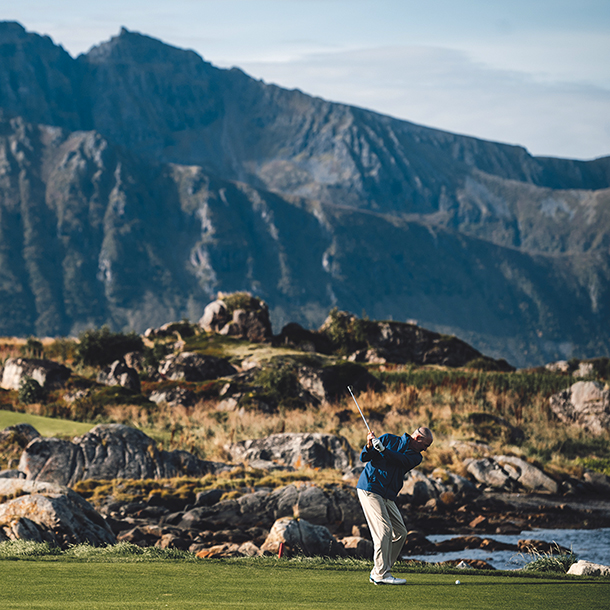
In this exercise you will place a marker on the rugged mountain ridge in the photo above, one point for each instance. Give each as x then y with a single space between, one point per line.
138 179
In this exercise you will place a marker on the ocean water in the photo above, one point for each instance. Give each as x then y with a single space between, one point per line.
591 545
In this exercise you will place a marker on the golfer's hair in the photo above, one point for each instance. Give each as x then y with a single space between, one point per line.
425 432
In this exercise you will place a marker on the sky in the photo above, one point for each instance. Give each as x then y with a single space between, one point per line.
529 72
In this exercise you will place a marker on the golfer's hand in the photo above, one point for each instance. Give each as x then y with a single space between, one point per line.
378 445
369 440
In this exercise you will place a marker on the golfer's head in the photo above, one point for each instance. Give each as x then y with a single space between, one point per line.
421 439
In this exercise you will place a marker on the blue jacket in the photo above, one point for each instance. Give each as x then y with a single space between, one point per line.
384 472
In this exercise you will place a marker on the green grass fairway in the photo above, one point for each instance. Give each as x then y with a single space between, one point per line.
217 584
46 426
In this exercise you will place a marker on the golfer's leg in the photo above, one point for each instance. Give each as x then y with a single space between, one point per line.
378 520
399 531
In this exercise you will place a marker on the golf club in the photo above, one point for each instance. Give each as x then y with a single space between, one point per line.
349 387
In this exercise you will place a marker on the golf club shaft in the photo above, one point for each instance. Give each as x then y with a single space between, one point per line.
359 409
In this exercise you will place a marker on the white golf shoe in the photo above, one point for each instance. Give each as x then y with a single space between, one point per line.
388 580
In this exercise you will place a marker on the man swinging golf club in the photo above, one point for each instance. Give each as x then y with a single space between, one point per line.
387 459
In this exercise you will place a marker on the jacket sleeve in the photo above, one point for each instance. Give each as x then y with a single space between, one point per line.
408 460
366 455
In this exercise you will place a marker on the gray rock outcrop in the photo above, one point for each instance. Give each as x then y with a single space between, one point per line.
419 488
302 537
510 473
585 404
250 320
336 508
108 451
173 397
189 366
47 373
49 512
118 373
315 450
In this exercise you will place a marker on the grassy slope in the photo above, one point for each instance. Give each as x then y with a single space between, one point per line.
46 426
275 584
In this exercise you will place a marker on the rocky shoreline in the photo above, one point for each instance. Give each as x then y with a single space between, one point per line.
113 468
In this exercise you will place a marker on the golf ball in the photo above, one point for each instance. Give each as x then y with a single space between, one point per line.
457 582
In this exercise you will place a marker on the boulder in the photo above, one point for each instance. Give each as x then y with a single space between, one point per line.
118 373
328 383
315 450
585 404
417 488
442 484
510 473
599 481
52 513
303 538
238 315
189 366
108 451
528 476
338 509
295 335
357 547
587 568
488 472
47 373
21 434
401 342
174 397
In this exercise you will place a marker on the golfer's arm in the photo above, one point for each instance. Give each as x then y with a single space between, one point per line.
366 454
408 460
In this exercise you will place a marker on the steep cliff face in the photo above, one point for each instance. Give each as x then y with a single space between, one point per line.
137 180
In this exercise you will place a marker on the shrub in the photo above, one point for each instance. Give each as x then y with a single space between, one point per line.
550 562
279 386
30 391
32 348
101 347
241 300
346 332
61 349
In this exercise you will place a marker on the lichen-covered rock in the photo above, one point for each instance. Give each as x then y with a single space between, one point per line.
49 512
510 473
238 315
300 536
586 404
108 451
118 373
315 450
189 366
47 373
527 475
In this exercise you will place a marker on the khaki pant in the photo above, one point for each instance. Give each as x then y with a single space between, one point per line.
387 529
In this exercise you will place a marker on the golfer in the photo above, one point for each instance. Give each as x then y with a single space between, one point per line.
388 458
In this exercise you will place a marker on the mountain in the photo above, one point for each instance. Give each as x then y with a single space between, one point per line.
137 180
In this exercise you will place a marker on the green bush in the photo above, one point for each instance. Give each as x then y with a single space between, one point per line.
279 386
30 391
101 347
551 562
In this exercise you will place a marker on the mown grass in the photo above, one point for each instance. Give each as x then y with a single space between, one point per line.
121 577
